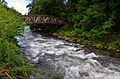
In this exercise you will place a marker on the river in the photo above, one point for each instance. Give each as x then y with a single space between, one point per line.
58 59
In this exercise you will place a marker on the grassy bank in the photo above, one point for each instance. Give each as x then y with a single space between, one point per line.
108 42
12 63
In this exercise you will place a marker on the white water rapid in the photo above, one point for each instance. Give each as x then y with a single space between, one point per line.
57 59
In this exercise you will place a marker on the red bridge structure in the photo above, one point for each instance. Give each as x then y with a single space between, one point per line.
43 19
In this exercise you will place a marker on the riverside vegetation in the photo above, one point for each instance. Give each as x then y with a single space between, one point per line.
12 63
90 22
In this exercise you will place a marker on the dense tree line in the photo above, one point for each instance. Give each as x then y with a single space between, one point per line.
94 22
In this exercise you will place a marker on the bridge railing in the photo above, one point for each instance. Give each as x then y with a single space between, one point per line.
43 19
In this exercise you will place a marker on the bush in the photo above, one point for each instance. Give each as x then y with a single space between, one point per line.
11 57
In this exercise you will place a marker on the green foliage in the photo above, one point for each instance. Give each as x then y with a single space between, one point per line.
10 56
47 7
94 18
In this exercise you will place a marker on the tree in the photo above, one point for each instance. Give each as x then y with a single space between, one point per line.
46 7
3 2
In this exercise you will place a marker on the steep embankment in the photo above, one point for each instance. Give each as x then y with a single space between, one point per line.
12 64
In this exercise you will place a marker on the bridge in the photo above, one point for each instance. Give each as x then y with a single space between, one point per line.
43 19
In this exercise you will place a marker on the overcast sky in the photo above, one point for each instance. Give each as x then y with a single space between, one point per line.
19 5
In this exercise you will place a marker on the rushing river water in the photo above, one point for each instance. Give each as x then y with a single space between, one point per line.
57 59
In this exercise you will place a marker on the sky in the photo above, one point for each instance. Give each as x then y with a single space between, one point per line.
19 5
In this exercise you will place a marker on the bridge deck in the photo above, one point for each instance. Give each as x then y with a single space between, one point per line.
43 19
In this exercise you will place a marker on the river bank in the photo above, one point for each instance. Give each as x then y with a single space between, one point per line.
95 46
91 45
12 63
